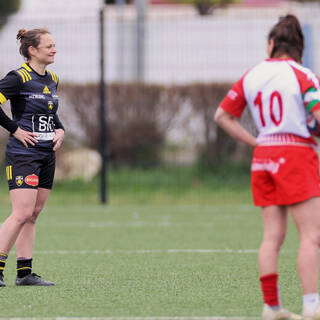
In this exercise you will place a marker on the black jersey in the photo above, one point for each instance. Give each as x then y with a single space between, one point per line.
34 103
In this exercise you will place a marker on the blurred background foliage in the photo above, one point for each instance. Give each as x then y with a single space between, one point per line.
140 117
7 8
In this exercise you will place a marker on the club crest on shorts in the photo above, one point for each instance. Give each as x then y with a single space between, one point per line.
19 180
32 180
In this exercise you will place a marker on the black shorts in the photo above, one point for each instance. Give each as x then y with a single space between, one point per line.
31 171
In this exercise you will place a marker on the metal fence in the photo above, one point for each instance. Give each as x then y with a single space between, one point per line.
163 44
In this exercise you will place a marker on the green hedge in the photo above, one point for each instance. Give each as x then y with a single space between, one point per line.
141 115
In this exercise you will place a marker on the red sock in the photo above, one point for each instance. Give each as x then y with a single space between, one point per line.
269 287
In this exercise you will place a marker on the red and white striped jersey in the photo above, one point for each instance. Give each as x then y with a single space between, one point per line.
279 93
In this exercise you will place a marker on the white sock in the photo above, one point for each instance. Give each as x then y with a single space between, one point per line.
311 301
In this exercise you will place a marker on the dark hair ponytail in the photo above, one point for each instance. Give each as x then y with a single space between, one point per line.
288 38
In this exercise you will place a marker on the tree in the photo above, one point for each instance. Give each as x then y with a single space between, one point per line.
206 7
7 8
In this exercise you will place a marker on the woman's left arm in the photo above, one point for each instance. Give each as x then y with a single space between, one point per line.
58 139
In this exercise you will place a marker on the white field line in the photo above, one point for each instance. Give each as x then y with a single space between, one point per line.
153 251
132 224
137 318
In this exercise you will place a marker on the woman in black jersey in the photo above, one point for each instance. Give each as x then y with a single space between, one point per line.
35 134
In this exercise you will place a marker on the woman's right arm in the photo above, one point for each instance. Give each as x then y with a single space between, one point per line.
9 87
232 126
25 137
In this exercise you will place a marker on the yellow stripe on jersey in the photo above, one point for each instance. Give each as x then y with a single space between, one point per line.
53 76
26 73
3 99
22 76
26 67
9 172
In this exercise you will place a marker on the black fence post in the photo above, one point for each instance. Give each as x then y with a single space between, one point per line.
103 117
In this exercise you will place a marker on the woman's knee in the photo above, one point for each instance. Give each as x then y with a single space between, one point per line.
27 215
38 208
312 237
275 242
22 216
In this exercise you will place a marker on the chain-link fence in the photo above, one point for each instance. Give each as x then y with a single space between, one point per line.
183 63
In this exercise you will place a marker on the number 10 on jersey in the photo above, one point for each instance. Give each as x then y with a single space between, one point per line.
258 102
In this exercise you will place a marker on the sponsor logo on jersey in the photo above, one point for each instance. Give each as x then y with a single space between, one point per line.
32 180
232 94
37 96
50 105
46 90
19 180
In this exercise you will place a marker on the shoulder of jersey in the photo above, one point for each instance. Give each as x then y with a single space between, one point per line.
299 66
53 76
308 74
25 73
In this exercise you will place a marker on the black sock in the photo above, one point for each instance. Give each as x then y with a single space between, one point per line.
3 260
24 267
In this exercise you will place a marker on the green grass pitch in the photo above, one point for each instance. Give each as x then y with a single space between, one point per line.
148 261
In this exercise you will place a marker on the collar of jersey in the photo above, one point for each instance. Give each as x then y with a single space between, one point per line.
28 68
279 60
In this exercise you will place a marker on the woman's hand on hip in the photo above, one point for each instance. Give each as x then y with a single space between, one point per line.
25 137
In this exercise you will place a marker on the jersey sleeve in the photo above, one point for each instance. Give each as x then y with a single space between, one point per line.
310 89
57 123
311 99
54 78
9 86
235 101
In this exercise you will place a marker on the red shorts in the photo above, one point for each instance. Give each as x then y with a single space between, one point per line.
284 175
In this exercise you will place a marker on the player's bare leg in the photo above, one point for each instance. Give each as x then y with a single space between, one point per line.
25 244
275 221
307 218
26 237
23 202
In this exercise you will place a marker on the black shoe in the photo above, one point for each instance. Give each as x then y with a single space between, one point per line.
2 284
32 280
